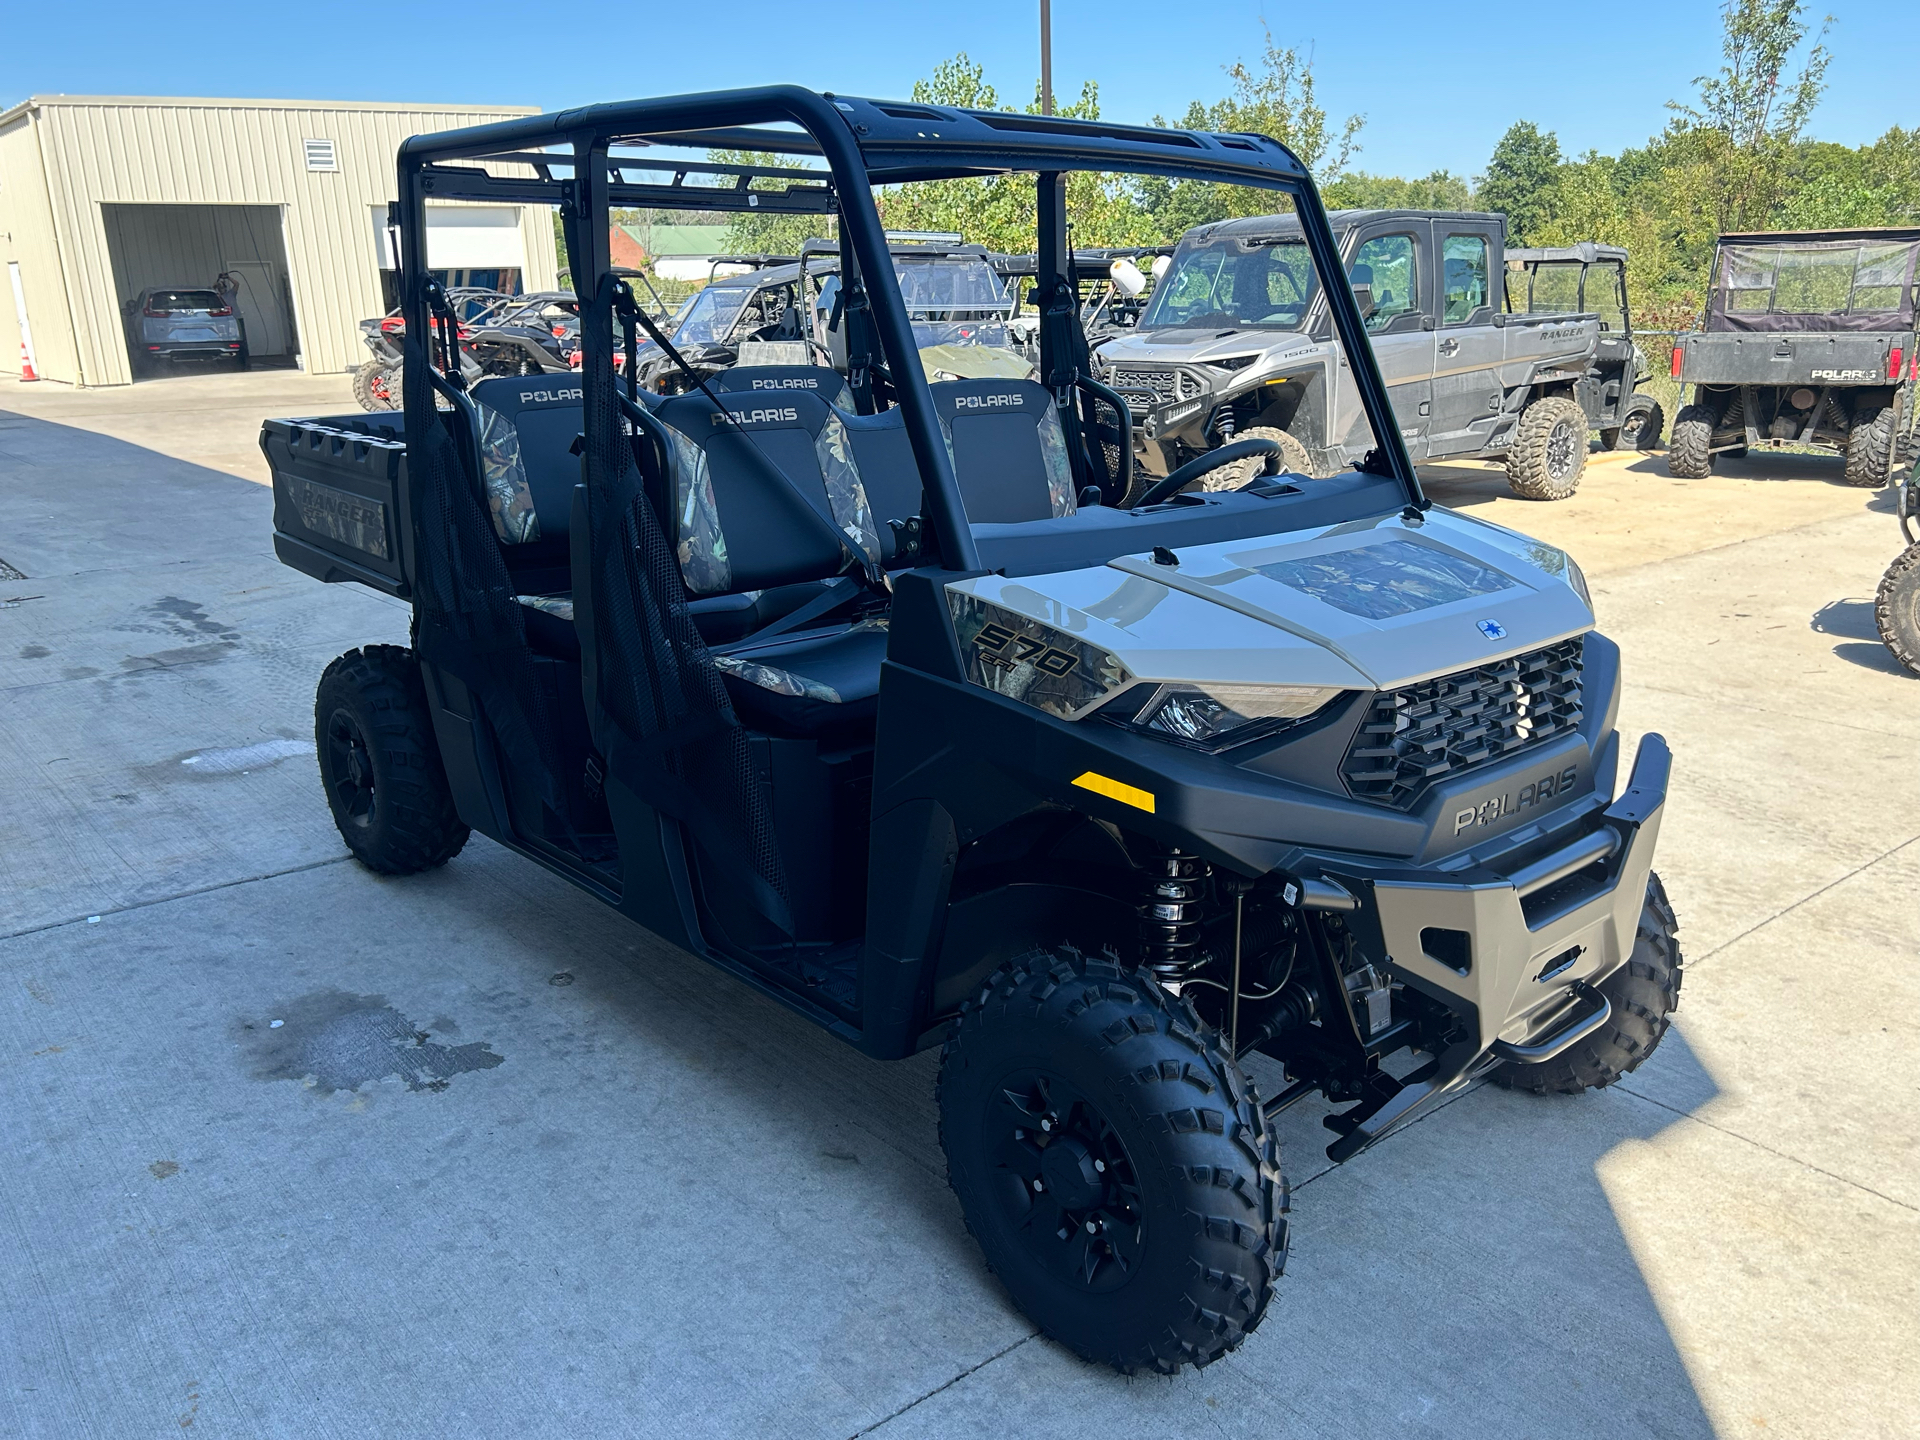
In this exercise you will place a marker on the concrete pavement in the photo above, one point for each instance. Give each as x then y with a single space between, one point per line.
511 1167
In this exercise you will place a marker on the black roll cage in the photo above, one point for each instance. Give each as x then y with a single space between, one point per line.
566 158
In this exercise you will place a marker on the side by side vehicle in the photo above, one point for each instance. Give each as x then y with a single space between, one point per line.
1590 278
890 698
1237 341
1808 339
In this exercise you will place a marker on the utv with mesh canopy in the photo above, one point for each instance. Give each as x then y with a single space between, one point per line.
1808 340
868 688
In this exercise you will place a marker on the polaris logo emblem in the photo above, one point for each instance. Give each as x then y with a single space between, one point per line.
1492 629
799 384
988 402
758 417
1845 374
1537 792
547 397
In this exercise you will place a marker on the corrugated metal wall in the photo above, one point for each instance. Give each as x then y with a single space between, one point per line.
27 236
113 150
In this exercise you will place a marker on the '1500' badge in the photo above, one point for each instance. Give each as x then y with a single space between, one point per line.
1492 629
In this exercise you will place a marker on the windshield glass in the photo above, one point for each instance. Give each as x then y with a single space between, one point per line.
1813 279
959 332
183 302
710 315
950 288
1235 280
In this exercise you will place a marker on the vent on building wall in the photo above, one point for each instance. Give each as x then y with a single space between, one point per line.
320 155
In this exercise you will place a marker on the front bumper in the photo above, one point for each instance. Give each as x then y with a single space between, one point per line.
1518 956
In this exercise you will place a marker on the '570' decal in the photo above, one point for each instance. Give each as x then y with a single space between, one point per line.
1006 649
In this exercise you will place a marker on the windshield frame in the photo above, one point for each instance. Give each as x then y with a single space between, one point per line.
866 144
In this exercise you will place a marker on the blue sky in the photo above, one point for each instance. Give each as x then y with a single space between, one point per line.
1435 90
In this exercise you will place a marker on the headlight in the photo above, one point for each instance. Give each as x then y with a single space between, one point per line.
1578 580
1030 661
1215 717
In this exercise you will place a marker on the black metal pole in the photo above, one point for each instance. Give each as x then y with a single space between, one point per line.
1046 57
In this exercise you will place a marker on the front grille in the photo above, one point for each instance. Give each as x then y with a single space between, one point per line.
1414 737
1166 385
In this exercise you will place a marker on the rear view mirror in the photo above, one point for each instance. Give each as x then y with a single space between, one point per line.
1127 278
1162 264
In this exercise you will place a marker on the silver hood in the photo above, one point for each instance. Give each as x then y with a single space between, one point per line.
1367 605
1198 344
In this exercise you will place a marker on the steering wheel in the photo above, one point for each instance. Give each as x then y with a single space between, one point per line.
1211 461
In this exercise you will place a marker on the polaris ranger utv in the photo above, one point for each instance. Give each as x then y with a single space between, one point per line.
1809 340
1237 342
869 690
1590 278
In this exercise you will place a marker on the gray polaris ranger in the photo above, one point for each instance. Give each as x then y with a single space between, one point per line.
1237 342
874 691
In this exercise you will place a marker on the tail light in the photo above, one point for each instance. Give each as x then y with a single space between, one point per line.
222 310
1676 362
156 314
1894 359
393 325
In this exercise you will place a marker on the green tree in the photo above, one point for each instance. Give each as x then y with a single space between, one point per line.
1357 190
998 211
1521 179
1750 115
1275 97
756 232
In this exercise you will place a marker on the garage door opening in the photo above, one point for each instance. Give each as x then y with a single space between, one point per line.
238 252
467 246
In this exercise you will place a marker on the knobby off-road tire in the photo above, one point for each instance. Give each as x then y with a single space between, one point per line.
380 764
1644 992
1293 457
1112 1162
1690 448
1549 450
1870 446
376 385
1639 427
1896 609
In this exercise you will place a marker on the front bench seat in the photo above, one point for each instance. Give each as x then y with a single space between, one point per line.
1009 450
767 381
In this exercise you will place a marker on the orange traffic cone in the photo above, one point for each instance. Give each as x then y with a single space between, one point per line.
26 365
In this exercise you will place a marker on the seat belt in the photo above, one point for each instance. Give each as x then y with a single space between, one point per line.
831 597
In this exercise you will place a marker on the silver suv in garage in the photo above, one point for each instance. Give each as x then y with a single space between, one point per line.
172 322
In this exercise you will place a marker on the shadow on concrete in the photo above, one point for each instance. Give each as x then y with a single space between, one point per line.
1421 1274
1852 621
99 502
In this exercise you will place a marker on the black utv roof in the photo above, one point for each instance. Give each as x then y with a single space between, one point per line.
1881 234
1340 220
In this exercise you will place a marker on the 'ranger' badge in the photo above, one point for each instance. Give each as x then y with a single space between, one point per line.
1492 629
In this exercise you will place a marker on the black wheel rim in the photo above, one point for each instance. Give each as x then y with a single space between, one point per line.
349 771
1561 451
1064 1181
1630 429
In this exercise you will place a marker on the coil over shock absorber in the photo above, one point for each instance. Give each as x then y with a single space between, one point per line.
1170 914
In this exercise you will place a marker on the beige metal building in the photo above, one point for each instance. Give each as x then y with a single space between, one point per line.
104 196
